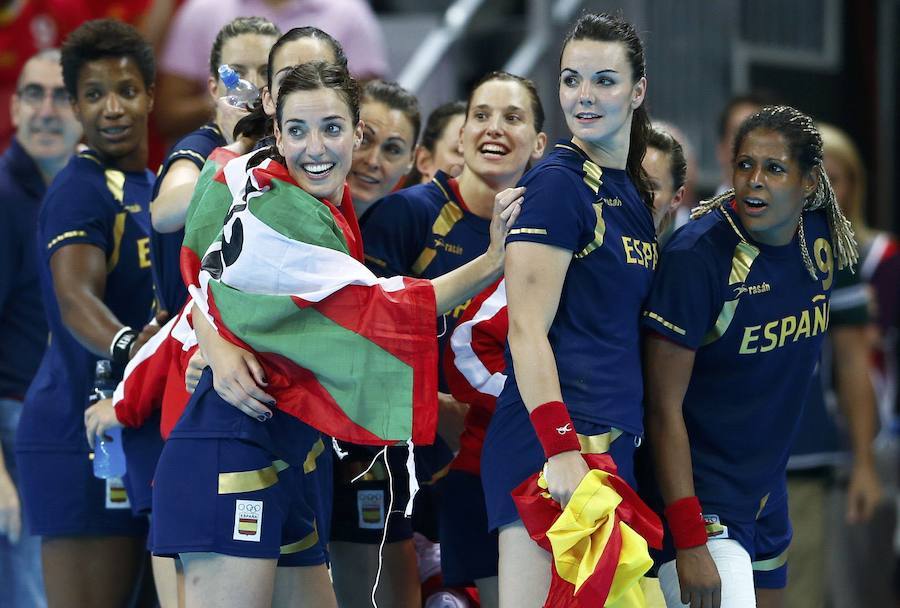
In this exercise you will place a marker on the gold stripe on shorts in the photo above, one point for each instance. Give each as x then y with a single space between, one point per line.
598 444
309 465
303 544
251 481
774 563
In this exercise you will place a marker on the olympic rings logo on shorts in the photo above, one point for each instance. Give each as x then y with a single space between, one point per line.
249 508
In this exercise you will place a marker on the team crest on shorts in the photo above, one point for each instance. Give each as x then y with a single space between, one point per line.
714 527
370 504
248 520
116 497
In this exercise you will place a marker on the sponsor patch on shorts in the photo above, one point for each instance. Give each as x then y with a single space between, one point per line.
714 527
116 496
248 520
370 504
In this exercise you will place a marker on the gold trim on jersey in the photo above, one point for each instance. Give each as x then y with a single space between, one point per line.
592 175
309 465
186 152
251 481
90 156
664 323
118 233
303 544
446 219
774 563
541 231
376 261
69 234
741 261
115 182
599 232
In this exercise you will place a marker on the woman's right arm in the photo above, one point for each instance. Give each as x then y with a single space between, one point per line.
667 372
237 375
534 280
169 208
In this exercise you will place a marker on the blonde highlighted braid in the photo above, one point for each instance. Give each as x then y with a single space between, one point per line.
806 148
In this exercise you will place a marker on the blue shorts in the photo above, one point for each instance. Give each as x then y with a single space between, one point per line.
469 551
61 497
360 508
234 497
765 538
512 454
142 448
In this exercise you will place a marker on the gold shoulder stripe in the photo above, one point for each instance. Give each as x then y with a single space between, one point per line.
774 563
527 231
599 232
446 219
115 181
71 234
665 323
185 152
309 465
303 544
592 175
118 233
741 262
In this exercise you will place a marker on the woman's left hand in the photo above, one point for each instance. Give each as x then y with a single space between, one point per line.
99 418
507 205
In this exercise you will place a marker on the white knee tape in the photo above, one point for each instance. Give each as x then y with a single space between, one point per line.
735 570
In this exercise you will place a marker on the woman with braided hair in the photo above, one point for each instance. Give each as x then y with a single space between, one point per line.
735 322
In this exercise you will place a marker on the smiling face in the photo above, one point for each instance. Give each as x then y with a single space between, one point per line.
596 93
42 113
770 188
498 137
385 154
317 136
295 52
112 106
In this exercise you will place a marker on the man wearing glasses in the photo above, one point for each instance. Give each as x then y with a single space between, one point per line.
46 132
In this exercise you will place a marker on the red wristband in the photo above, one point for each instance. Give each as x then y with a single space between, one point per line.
554 428
686 523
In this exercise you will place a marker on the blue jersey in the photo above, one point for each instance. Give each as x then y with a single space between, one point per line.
23 329
756 319
425 231
598 215
165 249
87 203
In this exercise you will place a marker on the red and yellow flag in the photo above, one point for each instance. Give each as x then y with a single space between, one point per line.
599 541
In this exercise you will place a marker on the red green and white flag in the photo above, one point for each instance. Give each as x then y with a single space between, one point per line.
349 353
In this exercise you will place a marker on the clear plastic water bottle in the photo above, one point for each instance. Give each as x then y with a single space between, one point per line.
241 93
446 599
109 458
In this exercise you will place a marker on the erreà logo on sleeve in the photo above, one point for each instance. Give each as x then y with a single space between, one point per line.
248 520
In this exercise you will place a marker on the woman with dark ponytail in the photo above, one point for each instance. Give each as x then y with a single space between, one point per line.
580 263
735 323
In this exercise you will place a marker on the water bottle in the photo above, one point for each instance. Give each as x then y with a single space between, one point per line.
109 458
446 599
241 94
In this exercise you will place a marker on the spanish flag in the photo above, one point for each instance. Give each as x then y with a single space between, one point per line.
599 541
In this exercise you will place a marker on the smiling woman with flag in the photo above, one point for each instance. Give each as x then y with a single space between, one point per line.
285 282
